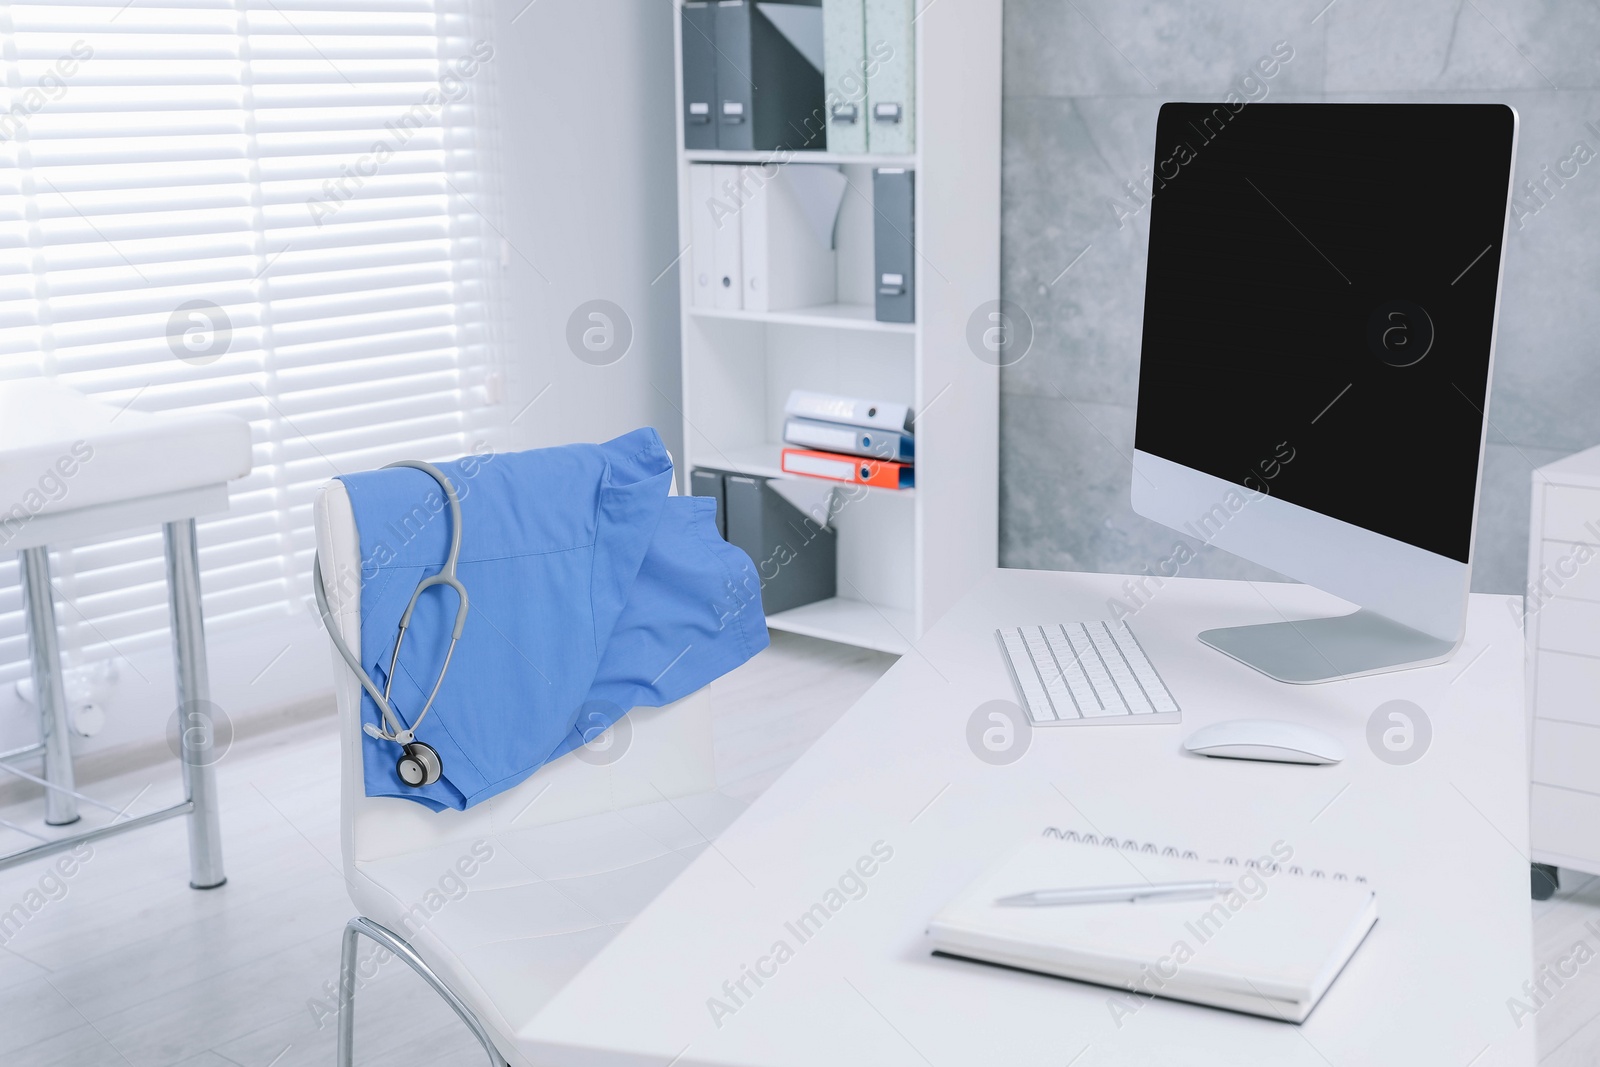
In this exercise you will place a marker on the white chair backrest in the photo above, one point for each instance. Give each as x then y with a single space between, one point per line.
669 755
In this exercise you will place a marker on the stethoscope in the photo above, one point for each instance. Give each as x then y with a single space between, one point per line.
419 764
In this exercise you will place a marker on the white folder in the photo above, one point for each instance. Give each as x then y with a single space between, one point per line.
702 235
726 219
787 236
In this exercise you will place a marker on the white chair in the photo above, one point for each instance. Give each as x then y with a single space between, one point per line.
573 853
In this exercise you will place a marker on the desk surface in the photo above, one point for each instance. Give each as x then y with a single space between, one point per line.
1442 840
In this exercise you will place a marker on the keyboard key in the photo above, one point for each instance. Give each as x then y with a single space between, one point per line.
1044 666
1077 682
1033 695
1105 689
1154 687
1051 671
1132 694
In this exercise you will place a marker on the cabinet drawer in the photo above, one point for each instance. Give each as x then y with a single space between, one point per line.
1568 569
1571 514
1566 754
1570 626
1566 823
1567 687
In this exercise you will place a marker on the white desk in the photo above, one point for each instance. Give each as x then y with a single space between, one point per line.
1443 841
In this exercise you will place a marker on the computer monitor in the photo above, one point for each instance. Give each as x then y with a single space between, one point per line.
1319 332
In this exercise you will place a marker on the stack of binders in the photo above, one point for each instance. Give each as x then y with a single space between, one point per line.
862 442
796 552
870 75
791 77
752 75
801 75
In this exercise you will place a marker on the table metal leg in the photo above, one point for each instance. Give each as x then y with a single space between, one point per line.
44 654
196 729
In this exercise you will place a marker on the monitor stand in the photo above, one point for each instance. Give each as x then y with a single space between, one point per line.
1327 649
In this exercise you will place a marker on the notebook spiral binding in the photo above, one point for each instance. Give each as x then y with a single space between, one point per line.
1130 845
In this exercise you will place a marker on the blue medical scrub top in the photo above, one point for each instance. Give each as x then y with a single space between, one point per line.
591 592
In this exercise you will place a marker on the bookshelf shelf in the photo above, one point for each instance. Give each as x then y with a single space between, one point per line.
833 316
903 556
712 155
851 622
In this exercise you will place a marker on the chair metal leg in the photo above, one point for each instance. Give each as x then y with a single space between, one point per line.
44 655
347 994
362 926
195 729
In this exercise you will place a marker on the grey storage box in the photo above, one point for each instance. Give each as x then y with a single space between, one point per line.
796 558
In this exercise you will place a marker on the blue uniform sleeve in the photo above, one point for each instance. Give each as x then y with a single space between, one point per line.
693 614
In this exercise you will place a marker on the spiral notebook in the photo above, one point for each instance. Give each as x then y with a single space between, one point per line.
1129 845
1272 946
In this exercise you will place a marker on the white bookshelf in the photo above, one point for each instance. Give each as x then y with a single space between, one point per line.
904 556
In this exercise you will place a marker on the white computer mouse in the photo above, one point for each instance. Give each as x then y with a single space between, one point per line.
1264 739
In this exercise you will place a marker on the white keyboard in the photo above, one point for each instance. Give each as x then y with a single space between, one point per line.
1085 673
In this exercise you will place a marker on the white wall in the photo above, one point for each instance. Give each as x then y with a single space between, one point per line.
257 672
585 132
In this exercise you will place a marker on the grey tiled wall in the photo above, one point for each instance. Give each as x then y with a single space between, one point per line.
1083 82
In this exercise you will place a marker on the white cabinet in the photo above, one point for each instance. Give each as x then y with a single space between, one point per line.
1562 628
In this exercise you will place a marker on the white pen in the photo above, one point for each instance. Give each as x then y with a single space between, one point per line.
1106 894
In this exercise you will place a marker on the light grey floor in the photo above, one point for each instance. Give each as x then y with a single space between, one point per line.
123 964
1569 1018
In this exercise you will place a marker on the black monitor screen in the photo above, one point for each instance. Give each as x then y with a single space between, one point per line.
1321 288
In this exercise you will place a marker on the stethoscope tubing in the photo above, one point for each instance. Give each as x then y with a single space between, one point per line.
396 730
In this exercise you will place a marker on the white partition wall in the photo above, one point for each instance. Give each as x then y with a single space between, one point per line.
585 137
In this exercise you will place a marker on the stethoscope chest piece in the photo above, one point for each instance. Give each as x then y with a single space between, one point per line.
419 765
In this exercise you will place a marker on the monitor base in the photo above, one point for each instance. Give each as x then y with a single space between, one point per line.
1329 649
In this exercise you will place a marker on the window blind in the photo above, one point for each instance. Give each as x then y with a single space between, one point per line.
262 207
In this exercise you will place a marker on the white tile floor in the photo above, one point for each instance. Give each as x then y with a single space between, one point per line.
128 966
1569 1021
